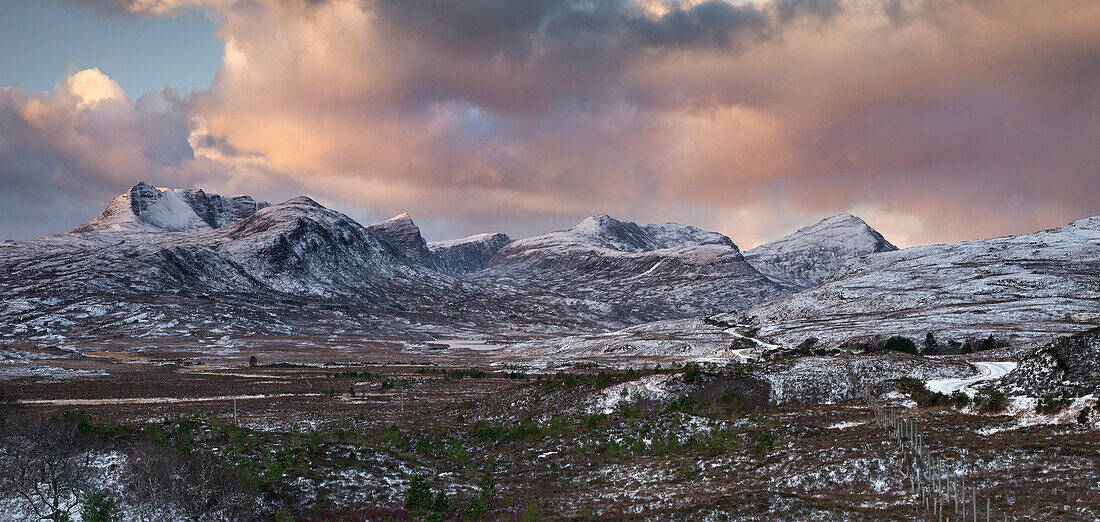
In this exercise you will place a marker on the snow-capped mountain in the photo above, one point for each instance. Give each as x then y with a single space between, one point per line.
460 257
806 257
151 239
1027 287
145 207
656 271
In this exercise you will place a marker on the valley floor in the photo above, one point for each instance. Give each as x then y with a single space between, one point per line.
429 432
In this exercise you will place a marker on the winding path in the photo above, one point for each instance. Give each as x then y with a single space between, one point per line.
987 371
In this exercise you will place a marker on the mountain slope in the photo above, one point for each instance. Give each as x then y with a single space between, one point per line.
459 257
806 257
1026 287
649 271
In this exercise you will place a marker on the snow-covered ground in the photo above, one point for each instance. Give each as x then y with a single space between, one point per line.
651 387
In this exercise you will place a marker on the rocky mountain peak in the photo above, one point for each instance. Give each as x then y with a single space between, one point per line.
303 200
148 208
401 232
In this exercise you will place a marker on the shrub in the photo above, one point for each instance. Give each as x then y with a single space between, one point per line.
931 347
764 444
990 343
921 395
901 344
1083 417
1050 405
98 508
531 513
991 401
691 372
960 399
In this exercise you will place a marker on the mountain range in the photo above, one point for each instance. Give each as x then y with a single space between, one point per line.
182 262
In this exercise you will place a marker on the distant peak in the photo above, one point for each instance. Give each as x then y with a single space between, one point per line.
303 200
597 222
404 216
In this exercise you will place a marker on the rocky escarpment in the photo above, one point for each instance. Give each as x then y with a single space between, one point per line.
403 234
464 256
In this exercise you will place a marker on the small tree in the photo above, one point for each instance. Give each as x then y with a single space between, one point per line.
931 347
441 504
48 466
474 510
1083 417
764 444
419 497
488 485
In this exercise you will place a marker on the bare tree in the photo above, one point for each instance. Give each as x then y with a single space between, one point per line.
47 466
167 484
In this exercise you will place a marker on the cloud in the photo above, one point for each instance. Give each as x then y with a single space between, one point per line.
64 154
943 119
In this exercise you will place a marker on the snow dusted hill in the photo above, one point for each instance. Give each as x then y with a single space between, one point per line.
1027 287
145 208
1070 364
803 259
655 271
460 257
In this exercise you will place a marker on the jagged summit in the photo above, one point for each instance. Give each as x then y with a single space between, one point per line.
806 257
145 208
401 232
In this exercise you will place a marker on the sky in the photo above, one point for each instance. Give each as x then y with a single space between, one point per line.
933 120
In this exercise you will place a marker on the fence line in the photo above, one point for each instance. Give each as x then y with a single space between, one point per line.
945 494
